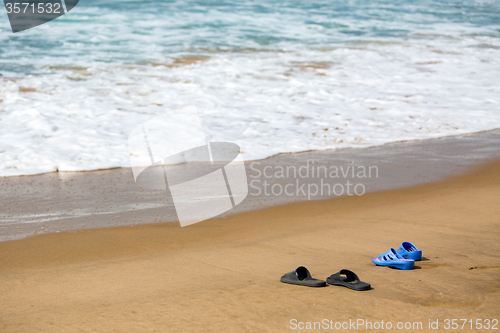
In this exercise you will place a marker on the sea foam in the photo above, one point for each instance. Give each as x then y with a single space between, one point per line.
273 78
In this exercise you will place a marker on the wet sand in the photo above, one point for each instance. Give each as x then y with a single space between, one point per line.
67 201
222 275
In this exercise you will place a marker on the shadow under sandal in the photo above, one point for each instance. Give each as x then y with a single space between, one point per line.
349 279
302 277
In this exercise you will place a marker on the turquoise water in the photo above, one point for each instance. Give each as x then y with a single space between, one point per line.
134 32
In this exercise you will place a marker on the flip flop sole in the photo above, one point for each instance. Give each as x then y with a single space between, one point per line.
407 266
358 287
404 264
308 283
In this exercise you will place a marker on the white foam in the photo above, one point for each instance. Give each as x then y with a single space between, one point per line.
287 97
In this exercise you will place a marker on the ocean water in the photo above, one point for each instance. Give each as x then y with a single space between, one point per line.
272 76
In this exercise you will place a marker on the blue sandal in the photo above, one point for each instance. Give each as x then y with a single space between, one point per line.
392 259
409 251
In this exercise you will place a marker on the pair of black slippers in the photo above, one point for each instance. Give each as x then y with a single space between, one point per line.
344 278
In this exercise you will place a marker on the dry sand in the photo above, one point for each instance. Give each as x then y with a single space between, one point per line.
222 275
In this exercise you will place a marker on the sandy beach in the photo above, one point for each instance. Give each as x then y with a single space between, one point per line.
222 275
164 163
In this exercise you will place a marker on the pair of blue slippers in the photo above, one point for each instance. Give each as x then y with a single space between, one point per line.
402 258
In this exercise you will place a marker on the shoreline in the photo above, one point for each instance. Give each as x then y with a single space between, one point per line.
59 202
163 277
289 153
454 136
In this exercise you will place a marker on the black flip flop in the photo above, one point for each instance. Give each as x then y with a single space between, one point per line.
302 277
346 278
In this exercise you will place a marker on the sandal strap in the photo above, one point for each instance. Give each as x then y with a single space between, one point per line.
390 255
